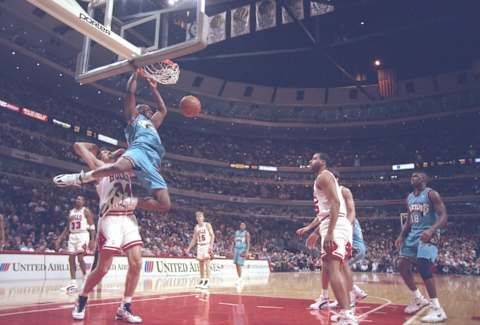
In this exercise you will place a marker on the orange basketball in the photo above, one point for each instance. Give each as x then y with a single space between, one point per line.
190 106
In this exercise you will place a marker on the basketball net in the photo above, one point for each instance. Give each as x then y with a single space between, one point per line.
165 72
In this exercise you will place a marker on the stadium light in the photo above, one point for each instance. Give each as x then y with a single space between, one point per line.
377 63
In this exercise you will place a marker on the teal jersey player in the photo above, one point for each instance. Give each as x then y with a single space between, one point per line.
426 215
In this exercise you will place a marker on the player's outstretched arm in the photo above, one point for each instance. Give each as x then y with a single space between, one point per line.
130 109
87 152
315 222
159 115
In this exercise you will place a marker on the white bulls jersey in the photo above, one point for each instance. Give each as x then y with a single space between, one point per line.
322 206
78 221
203 236
115 193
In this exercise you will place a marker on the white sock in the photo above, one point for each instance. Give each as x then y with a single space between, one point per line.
417 294
325 293
126 300
435 303
87 177
73 281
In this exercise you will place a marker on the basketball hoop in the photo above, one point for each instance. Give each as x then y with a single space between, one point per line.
165 72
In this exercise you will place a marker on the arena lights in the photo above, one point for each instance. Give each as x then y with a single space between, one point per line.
9 106
403 166
62 124
34 114
377 63
268 168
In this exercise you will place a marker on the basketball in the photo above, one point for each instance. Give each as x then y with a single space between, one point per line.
190 106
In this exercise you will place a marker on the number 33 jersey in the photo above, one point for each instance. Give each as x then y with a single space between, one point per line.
78 221
115 193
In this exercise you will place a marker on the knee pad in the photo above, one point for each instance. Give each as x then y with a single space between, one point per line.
424 267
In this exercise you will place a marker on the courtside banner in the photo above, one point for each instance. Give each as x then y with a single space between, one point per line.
28 266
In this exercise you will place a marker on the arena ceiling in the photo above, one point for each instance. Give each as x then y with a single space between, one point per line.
416 38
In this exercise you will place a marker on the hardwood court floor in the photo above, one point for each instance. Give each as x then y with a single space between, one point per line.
281 298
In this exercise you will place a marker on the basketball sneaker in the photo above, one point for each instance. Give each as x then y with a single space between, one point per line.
436 315
64 180
360 295
199 285
124 313
78 312
333 305
71 287
320 303
345 317
416 304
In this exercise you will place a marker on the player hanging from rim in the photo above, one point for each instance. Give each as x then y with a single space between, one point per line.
336 232
426 215
117 231
144 153
240 248
204 237
80 229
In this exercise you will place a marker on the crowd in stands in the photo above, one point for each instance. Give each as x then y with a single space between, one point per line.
35 214
190 177
276 152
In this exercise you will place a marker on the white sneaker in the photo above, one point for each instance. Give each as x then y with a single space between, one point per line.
416 305
436 315
78 314
199 285
320 303
333 305
64 180
70 288
204 285
360 295
346 318
125 314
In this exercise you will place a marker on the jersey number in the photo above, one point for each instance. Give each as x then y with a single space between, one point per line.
121 191
415 218
75 225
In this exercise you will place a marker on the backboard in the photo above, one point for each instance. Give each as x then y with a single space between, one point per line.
137 32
